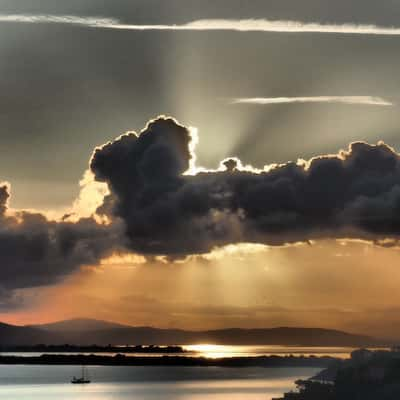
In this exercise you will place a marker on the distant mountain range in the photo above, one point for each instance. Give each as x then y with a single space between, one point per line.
89 331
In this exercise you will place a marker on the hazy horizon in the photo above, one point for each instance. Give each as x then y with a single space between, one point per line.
94 320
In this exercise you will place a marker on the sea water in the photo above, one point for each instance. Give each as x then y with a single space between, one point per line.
35 382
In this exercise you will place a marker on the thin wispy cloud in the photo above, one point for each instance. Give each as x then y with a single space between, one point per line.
92 22
365 100
244 25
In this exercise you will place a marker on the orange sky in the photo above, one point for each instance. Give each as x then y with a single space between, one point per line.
351 286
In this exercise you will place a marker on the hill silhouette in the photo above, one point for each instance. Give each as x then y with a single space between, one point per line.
11 334
79 325
88 331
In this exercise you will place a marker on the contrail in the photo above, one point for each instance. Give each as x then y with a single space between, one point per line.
241 25
367 100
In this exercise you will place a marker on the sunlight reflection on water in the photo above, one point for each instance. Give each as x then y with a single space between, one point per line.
221 351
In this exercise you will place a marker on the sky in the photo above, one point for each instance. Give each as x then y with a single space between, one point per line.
258 183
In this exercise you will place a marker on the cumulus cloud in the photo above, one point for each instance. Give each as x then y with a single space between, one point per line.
240 25
365 100
353 194
35 251
154 207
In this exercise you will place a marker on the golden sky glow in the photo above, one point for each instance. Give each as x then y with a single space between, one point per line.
329 284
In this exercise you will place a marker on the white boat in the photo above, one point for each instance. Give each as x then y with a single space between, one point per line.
84 379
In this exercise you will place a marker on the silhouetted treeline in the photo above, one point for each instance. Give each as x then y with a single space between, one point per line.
121 360
366 376
66 348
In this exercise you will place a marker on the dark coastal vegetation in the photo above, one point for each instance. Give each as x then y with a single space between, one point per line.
122 360
368 375
66 348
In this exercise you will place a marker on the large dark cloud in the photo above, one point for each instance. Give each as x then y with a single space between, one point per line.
155 208
35 251
355 193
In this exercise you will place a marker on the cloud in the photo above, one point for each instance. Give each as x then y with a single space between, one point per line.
240 25
35 251
365 100
353 194
4 196
92 22
9 300
264 25
153 207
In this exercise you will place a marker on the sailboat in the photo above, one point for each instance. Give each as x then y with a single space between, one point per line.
84 379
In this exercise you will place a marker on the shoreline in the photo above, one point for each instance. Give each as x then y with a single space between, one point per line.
122 360
85 350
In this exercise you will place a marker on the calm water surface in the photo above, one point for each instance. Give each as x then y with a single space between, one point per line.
148 383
